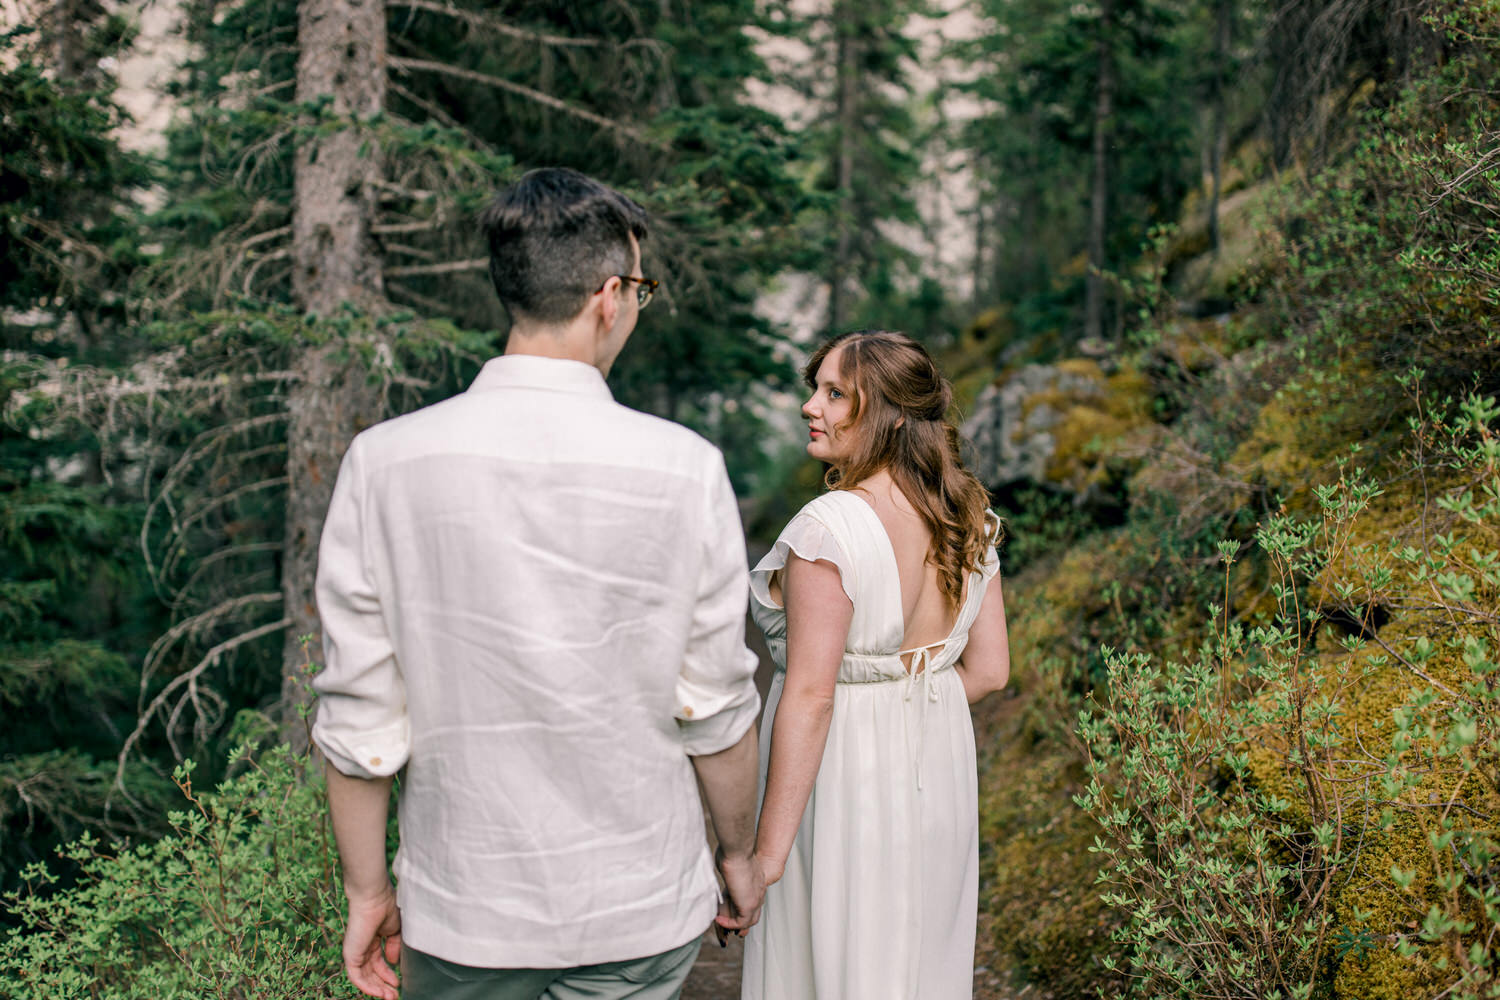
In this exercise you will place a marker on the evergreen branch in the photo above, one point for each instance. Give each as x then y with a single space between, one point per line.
477 20
546 100
473 264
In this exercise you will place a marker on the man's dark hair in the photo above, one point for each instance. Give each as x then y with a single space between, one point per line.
555 237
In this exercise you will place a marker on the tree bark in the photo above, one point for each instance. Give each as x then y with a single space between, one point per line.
1223 20
342 59
845 21
1093 324
70 19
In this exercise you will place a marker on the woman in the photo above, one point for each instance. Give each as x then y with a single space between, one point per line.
882 610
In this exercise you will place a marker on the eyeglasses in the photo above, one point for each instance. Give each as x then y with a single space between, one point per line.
645 288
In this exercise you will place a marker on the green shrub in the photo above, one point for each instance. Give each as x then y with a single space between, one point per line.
240 900
1310 806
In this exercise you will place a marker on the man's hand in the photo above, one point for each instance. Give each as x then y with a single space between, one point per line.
744 890
372 944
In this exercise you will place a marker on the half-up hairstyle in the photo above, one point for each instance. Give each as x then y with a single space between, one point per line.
899 419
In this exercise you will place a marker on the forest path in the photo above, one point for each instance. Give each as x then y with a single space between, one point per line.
716 976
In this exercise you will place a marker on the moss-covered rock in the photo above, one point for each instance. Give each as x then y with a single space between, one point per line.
1066 425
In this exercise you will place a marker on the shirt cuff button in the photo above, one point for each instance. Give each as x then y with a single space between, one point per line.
374 761
687 711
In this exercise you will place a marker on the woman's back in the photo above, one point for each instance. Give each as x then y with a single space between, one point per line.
925 613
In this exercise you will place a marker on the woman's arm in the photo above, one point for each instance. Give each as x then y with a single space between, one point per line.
985 664
818 613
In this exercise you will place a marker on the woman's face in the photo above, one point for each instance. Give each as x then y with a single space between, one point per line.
827 410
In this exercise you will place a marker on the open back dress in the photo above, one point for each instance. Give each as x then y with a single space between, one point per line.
880 893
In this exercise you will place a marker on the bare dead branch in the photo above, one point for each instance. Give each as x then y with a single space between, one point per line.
202 511
1477 167
261 261
531 94
409 250
163 498
442 116
473 264
143 718
477 20
427 302
425 226
201 620
401 190
119 388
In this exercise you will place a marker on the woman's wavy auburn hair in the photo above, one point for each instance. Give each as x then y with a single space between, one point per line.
898 420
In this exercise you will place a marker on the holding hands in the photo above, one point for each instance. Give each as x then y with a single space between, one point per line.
744 892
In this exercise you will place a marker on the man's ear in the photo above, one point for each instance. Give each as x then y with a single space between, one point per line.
608 302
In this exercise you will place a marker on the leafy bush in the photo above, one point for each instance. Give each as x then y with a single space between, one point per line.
241 899
1287 814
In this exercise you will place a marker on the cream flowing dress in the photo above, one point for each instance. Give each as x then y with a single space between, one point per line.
880 893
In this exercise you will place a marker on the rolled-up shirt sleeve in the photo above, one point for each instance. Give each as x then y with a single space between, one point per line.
716 697
362 725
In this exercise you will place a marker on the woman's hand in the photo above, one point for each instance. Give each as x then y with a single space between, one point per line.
771 869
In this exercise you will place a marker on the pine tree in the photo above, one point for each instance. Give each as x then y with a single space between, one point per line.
854 70
321 269
1088 101
75 609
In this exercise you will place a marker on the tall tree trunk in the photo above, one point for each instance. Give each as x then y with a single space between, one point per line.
1093 324
981 262
845 20
342 55
70 19
1223 20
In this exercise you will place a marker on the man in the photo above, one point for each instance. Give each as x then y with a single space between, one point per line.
533 599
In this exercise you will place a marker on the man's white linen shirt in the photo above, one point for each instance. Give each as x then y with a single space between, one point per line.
533 599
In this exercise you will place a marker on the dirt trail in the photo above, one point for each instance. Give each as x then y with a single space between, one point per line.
716 976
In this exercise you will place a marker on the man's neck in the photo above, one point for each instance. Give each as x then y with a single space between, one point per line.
564 343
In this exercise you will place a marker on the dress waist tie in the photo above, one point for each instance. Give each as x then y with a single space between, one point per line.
921 673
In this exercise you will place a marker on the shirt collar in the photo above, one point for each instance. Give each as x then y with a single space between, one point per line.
529 371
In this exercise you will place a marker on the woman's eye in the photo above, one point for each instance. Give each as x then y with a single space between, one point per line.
835 394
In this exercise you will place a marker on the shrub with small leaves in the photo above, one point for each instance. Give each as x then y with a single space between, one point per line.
240 900
1310 806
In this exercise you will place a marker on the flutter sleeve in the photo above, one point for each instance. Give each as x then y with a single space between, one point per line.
995 530
809 538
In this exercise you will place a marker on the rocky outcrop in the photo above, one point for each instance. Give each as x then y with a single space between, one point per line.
1047 424
1011 435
